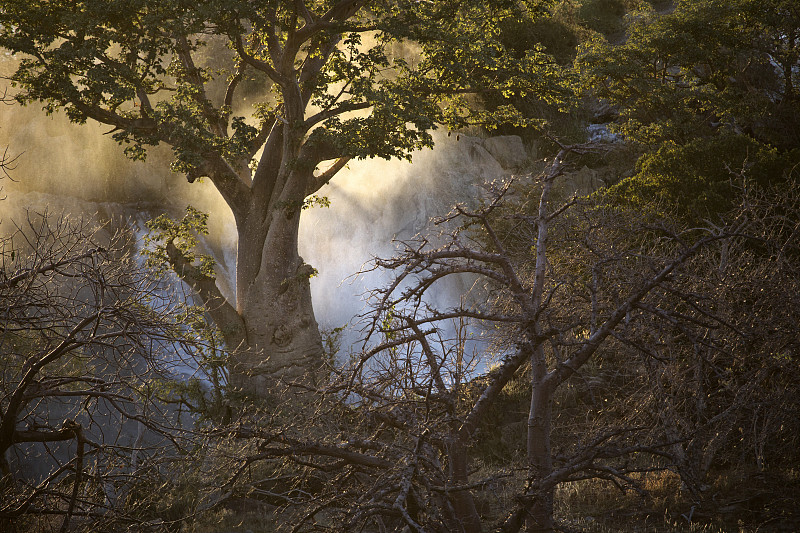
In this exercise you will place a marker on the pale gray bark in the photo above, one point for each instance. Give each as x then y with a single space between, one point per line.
274 300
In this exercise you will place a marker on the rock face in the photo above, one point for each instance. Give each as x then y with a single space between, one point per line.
508 150
600 133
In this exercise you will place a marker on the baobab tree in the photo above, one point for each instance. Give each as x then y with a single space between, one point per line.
328 89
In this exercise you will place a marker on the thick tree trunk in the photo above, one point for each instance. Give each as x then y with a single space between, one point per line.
540 462
274 300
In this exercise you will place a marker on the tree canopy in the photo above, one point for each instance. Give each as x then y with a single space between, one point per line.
704 90
134 65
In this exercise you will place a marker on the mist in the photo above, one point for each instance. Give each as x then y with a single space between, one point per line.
78 170
374 205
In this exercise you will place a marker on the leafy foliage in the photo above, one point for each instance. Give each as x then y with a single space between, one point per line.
127 64
703 90
603 16
183 235
696 180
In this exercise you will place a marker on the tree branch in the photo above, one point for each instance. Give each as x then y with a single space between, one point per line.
26 274
325 114
223 313
257 64
323 179
565 369
196 81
